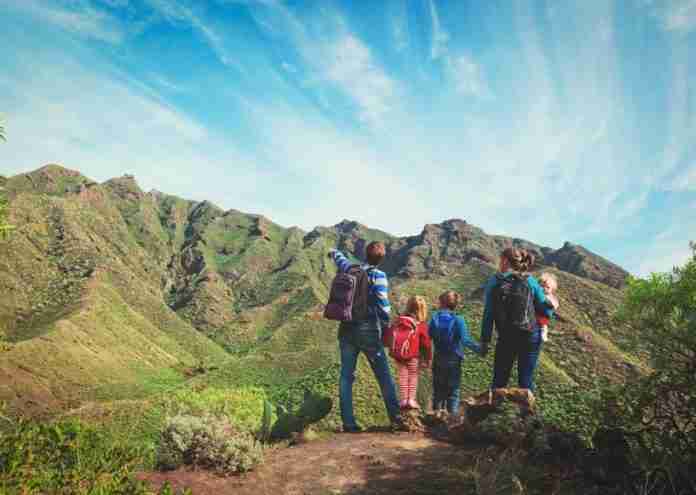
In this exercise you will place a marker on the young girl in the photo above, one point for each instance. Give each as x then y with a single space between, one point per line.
450 337
549 283
409 345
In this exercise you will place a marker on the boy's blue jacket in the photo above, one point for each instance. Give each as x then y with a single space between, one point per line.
461 334
540 304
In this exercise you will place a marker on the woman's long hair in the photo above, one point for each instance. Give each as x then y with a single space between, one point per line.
520 260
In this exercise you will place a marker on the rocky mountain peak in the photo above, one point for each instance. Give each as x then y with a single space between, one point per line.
125 187
348 227
583 262
50 179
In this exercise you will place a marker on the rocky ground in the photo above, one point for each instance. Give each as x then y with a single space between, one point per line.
498 445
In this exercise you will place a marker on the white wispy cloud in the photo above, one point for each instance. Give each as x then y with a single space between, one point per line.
467 76
686 180
668 249
682 120
63 112
332 58
679 15
78 18
397 12
352 68
439 36
336 159
175 12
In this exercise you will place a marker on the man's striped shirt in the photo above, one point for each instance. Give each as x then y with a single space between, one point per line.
378 302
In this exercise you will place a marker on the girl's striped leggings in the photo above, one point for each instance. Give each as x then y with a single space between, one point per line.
408 379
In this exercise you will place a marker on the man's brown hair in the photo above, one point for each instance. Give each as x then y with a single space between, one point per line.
449 300
375 253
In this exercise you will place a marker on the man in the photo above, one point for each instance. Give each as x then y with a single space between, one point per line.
364 336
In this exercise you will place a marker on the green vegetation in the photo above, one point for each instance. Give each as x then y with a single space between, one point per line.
130 308
208 442
67 457
5 227
658 410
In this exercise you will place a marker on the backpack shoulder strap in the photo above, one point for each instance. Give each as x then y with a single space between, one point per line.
452 322
450 327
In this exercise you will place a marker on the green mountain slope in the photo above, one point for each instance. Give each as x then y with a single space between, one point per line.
114 293
84 309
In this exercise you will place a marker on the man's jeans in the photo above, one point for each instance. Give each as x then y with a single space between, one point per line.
354 338
447 380
523 346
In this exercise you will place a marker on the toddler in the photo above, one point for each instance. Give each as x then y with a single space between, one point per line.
549 283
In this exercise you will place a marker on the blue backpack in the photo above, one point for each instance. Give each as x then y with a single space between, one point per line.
443 333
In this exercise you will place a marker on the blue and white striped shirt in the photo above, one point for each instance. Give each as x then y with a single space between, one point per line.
379 286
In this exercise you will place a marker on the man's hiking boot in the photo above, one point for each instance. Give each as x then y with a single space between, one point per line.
353 429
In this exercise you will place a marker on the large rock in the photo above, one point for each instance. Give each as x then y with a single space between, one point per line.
579 261
504 416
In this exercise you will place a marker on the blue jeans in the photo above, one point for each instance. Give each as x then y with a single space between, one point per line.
523 346
447 380
365 337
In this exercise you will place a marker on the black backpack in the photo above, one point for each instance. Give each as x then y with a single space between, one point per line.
349 295
513 303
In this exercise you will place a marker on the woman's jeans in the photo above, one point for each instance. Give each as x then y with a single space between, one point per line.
523 346
365 337
447 379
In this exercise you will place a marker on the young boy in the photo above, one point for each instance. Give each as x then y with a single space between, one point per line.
450 337
365 336
549 283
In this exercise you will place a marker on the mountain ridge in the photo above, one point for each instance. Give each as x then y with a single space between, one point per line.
569 257
188 281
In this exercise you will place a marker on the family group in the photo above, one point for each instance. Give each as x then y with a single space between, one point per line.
517 304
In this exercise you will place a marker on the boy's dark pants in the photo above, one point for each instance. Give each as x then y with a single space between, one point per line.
447 379
523 346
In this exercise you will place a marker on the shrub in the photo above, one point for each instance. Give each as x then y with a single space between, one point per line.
243 407
66 457
658 411
209 442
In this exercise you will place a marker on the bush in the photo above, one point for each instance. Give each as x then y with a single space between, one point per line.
243 407
658 411
66 457
208 442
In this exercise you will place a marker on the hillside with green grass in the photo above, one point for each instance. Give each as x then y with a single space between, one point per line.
116 295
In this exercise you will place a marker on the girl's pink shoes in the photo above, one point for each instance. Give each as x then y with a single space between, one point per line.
409 404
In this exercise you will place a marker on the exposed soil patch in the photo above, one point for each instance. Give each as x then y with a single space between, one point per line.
368 463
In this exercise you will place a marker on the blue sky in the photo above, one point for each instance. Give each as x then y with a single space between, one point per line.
550 121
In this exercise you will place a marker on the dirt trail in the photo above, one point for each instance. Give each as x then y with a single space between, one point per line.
367 463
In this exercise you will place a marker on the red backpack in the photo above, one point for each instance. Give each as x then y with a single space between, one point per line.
404 343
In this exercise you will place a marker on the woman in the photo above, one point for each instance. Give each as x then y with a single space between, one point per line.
511 297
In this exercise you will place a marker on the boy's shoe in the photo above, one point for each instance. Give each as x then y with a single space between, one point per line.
353 429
